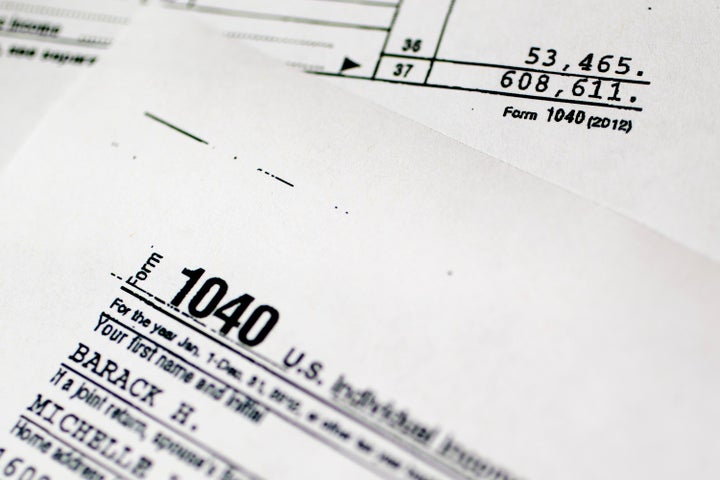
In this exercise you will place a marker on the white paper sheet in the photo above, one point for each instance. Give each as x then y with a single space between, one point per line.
524 332
630 127
642 146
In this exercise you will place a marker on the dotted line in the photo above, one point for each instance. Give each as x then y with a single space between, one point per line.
95 40
160 300
174 308
63 12
276 178
270 38
244 347
170 306
306 66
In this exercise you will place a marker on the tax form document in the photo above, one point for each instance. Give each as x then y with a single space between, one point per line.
216 270
611 100
44 46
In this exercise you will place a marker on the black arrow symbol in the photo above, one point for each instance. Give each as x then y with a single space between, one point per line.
348 64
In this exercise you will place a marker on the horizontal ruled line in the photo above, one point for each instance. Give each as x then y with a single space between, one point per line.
367 3
174 127
280 18
275 177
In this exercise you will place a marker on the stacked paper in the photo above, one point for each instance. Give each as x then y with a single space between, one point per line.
220 267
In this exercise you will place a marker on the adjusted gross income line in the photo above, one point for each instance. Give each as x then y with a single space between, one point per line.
174 127
419 454
480 90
